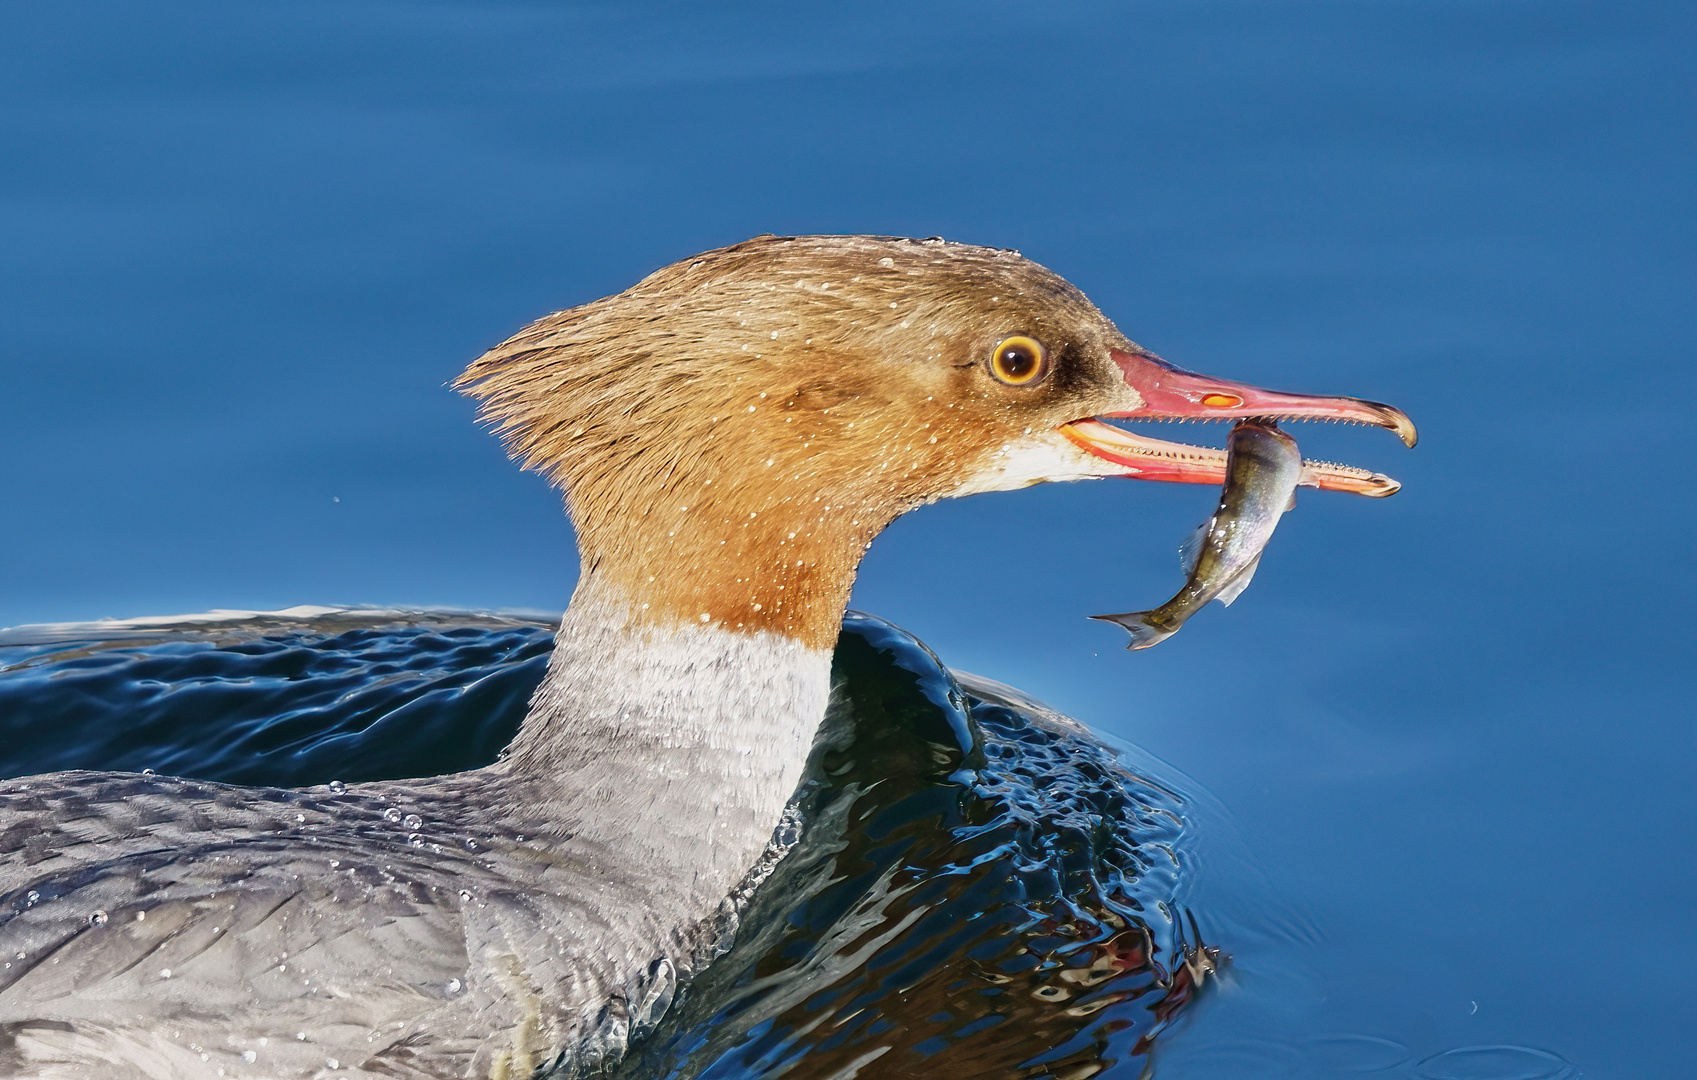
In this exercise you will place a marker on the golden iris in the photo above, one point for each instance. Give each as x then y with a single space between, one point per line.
1019 361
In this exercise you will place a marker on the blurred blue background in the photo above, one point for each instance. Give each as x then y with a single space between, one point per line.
242 248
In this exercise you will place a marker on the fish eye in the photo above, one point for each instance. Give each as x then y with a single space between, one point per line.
1019 361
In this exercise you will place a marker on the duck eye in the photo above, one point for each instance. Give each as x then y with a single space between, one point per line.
1019 361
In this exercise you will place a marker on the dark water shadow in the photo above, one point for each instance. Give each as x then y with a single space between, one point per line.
981 885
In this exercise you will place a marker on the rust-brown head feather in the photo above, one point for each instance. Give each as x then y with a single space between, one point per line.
733 430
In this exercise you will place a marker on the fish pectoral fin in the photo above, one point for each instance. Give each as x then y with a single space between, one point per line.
1289 506
1191 550
1235 587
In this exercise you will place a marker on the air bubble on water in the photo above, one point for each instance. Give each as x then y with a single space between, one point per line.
391 815
413 821
164 973
300 817
453 986
147 772
470 844
249 1056
301 1036
32 898
335 863
332 1063
465 894
519 838
415 840
337 787
141 916
98 919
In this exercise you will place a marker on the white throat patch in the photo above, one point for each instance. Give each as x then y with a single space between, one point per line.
1036 459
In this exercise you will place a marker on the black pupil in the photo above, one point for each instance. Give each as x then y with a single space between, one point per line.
1017 362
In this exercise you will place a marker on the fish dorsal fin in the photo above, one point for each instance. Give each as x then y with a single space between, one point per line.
1190 551
1239 583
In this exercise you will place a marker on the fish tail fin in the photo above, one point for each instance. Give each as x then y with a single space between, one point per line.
1144 630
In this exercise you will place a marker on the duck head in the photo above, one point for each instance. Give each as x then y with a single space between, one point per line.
732 431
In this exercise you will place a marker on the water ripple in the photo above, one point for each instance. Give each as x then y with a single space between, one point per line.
981 885
1495 1063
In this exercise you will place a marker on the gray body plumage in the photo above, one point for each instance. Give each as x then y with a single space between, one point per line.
527 916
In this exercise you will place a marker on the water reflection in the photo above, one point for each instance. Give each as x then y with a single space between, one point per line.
983 889
981 885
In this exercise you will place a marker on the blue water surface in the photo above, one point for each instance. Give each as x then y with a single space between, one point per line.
242 248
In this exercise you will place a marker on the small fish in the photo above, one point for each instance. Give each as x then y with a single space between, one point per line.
1263 467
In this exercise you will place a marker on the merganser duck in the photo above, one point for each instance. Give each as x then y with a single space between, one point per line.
730 433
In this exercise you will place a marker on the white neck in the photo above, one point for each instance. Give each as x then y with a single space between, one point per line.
675 746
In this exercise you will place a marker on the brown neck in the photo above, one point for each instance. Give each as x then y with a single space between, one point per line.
703 554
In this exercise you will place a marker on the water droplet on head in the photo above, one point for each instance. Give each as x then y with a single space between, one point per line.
332 1064
391 814
465 894
337 787
413 821
164 973
32 898
249 1056
415 840
98 919
453 986
470 844
147 772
